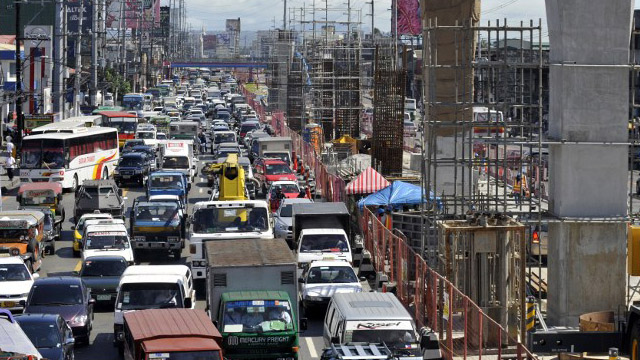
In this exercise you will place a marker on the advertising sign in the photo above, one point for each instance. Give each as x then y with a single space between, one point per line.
33 121
209 42
408 15
233 25
75 10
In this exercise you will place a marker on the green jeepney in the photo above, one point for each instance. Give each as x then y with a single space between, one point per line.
162 123
106 108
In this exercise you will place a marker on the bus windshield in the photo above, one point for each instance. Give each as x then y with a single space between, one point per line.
218 220
43 153
132 102
124 125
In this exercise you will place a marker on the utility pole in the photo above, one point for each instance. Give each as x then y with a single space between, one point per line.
373 32
18 77
58 66
78 66
93 81
284 16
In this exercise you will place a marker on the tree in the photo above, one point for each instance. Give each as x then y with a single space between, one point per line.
117 83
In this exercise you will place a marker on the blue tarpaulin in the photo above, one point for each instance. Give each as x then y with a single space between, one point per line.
396 195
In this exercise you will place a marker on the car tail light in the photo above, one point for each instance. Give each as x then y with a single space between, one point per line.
535 238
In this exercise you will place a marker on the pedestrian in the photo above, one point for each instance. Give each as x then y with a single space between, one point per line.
517 189
9 164
10 146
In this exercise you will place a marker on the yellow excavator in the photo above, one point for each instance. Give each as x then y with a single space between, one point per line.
230 176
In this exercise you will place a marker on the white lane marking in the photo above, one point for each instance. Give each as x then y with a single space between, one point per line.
311 347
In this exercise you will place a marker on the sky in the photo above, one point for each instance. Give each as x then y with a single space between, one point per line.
261 14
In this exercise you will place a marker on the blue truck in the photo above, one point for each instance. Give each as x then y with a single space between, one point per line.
168 183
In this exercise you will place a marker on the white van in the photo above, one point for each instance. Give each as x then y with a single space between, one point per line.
152 287
178 155
371 317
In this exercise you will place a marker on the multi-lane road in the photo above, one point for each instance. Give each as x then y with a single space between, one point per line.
63 263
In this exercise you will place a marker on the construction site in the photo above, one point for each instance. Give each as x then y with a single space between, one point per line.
519 153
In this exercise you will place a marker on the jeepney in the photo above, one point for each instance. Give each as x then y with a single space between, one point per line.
21 233
162 123
52 228
42 194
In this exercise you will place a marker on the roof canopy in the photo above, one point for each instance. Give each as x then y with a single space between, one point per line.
397 194
369 181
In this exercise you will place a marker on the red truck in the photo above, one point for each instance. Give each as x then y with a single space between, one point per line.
170 334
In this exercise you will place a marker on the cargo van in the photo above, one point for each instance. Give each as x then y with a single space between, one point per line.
178 156
152 287
371 317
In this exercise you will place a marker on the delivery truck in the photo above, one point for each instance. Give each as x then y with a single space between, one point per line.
275 147
252 295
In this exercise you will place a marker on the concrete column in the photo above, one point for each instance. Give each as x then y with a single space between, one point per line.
589 92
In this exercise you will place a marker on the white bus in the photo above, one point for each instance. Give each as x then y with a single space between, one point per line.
491 122
70 156
67 125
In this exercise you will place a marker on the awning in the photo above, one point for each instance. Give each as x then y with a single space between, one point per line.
369 181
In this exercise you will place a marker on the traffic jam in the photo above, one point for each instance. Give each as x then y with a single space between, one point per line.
181 226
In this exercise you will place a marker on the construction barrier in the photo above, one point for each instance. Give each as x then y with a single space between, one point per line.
463 328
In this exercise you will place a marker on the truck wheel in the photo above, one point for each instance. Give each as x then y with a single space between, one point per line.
52 248
74 184
76 253
634 342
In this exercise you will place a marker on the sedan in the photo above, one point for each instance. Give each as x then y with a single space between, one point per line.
283 220
50 334
324 278
102 274
66 296
15 283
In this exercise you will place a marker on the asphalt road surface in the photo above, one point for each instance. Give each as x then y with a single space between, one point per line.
63 263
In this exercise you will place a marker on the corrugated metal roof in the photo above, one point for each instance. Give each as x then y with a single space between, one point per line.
167 323
370 306
249 252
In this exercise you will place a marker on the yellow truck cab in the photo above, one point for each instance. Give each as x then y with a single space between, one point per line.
230 180
21 233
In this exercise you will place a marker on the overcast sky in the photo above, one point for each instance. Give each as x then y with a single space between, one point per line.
260 14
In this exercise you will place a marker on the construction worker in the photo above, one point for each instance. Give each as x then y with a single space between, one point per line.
517 189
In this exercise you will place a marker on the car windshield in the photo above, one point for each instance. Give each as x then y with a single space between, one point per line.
99 268
284 156
278 169
13 235
248 127
331 274
95 191
175 162
161 137
14 272
97 241
41 335
130 162
287 188
166 182
156 212
395 339
219 220
255 316
37 198
324 243
131 143
146 135
136 296
56 294
223 138
286 211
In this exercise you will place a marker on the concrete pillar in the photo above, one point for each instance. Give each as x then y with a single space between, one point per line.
589 92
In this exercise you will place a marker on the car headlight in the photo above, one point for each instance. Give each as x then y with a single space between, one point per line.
79 320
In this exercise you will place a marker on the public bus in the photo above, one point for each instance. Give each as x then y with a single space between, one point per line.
67 125
133 102
491 122
126 124
69 157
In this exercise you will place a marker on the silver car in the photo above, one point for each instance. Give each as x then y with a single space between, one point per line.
283 220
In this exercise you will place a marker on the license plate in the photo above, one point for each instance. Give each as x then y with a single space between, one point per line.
126 176
103 297
7 304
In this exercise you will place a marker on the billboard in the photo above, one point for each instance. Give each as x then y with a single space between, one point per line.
75 10
224 39
150 10
209 42
113 13
233 25
408 15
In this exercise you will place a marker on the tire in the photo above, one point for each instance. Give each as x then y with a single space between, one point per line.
76 253
74 185
51 250
105 174
634 342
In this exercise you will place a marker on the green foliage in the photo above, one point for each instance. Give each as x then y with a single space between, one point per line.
117 83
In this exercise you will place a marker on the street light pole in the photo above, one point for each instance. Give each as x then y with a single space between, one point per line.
18 78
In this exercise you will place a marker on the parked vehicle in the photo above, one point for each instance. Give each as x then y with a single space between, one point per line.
176 334
157 226
101 274
50 334
67 296
99 195
13 340
16 281
252 295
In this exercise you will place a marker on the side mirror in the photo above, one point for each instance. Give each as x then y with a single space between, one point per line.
303 324
362 278
335 340
70 341
35 276
187 303
92 301
209 192
301 280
